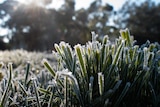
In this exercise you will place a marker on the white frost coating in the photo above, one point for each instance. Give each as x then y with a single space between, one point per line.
67 73
145 63
94 36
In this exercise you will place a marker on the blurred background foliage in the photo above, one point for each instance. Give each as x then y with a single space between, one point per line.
34 26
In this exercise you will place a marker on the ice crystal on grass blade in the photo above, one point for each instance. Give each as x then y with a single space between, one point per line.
94 36
145 63
94 40
101 82
65 72
125 34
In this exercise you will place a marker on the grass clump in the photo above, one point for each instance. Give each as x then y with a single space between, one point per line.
106 74
99 73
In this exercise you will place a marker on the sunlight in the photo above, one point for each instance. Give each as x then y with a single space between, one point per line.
23 1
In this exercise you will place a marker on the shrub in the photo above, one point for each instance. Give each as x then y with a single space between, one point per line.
99 73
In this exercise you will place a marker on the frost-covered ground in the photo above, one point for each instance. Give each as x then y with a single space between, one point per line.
20 58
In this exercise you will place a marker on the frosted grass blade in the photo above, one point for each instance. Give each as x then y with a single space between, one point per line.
78 50
6 92
48 66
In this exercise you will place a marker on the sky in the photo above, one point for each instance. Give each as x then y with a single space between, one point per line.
85 3
117 4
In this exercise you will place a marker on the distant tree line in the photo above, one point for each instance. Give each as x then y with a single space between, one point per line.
33 26
143 20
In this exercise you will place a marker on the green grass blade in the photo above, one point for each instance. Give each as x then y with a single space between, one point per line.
50 103
124 91
23 89
78 50
48 66
117 85
126 36
27 73
153 94
118 54
6 92
36 93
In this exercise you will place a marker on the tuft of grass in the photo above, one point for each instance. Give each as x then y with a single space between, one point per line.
109 74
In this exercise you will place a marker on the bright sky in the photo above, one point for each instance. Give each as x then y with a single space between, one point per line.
85 3
115 3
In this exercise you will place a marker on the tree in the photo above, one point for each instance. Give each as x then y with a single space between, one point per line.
70 29
2 45
99 15
33 26
142 20
30 24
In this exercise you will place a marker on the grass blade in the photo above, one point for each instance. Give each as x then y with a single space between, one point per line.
78 50
6 92
48 66
36 93
120 98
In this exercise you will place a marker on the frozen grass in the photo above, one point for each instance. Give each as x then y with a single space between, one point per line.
99 73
